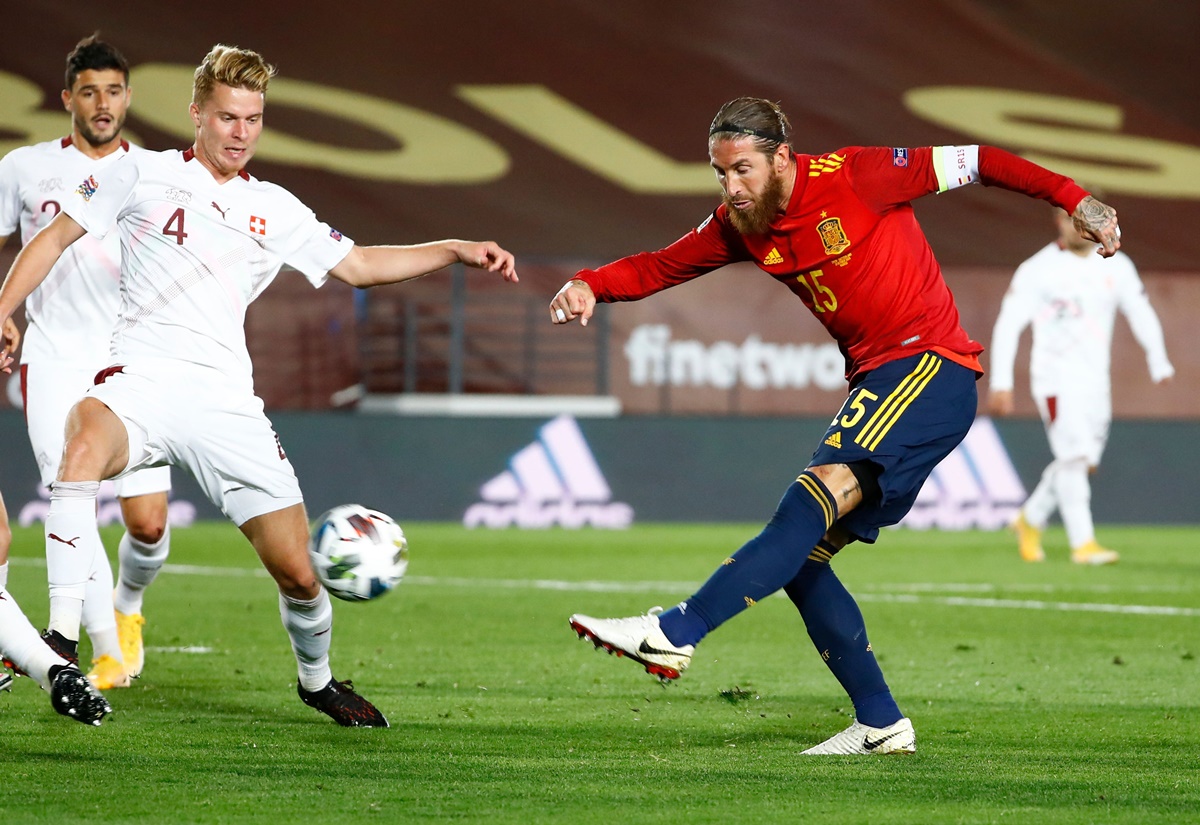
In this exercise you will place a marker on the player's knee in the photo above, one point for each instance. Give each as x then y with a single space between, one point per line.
296 581
145 521
146 529
299 588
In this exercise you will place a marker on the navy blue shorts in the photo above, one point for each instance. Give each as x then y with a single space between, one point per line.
903 417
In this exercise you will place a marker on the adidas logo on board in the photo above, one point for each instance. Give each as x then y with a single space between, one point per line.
555 481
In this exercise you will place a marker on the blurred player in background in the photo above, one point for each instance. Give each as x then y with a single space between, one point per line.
71 693
201 238
839 232
1070 296
70 320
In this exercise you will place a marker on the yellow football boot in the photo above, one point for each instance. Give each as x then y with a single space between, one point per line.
107 673
129 633
1029 539
1093 553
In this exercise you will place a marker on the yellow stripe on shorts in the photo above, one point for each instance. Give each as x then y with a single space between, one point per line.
895 404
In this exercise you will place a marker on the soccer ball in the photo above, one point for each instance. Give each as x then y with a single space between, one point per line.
358 553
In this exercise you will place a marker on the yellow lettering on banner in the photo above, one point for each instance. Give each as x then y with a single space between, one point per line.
581 137
432 149
1059 132
20 114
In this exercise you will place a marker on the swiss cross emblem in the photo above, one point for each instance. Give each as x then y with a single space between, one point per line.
258 225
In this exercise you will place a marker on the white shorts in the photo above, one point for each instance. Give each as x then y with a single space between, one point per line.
197 418
1077 424
49 390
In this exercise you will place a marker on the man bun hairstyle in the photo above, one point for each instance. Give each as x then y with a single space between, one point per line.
752 117
92 53
233 67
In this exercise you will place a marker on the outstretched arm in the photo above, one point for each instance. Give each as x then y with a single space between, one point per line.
31 267
367 266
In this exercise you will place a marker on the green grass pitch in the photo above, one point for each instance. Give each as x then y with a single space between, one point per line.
1040 693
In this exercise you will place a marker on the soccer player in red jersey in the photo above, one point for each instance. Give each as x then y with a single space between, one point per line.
838 230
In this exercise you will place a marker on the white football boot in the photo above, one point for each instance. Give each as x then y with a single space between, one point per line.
861 740
638 638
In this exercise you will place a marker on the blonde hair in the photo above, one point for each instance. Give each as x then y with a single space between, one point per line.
233 67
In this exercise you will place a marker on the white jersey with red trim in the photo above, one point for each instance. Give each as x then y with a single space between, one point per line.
1072 300
70 315
196 253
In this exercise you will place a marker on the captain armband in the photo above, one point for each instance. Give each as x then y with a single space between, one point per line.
955 166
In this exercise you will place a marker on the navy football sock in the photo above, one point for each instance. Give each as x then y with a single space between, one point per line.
763 565
836 626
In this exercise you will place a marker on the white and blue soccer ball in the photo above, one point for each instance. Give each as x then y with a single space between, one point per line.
358 553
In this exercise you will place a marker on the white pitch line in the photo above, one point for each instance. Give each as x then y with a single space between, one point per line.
1033 604
686 587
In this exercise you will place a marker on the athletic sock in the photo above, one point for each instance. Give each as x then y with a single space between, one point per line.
1043 501
1075 502
309 624
3 575
139 565
20 642
836 627
72 541
97 616
763 565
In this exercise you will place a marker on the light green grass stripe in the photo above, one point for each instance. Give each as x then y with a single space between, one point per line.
684 587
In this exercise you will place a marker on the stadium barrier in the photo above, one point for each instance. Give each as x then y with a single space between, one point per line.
608 472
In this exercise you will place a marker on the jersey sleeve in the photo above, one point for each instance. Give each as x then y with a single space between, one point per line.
100 199
1004 169
314 247
1016 312
707 247
886 177
1144 323
10 196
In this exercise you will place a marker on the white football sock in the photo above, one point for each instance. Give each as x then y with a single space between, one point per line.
97 617
20 642
1075 502
1043 501
309 624
3 575
139 565
72 539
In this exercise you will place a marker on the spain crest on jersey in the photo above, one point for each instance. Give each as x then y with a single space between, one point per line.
833 237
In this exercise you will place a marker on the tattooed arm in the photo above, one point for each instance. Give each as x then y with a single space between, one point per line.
1097 222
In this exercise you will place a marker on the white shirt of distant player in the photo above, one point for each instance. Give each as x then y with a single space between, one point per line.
70 315
1072 300
196 253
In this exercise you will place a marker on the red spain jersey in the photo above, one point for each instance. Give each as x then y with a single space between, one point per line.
849 247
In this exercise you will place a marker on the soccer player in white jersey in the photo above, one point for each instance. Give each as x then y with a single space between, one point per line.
71 694
1070 296
200 239
70 320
